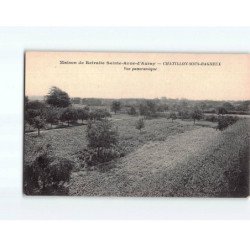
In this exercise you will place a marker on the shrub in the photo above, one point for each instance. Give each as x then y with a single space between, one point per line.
140 124
148 109
99 114
225 121
101 134
132 111
221 111
116 106
91 156
196 115
46 174
211 118
102 144
184 114
173 116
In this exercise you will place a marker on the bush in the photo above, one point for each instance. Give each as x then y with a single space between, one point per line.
225 121
99 114
173 116
140 124
91 156
197 115
116 106
46 174
148 109
102 144
101 134
211 118
184 114
132 111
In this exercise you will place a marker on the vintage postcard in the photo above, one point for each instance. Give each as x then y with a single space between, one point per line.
136 124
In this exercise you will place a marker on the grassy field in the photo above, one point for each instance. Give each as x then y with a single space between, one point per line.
165 159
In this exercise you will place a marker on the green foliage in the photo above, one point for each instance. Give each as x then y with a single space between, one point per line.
116 106
58 98
140 124
46 174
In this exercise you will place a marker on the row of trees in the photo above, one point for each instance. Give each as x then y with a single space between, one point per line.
149 107
57 110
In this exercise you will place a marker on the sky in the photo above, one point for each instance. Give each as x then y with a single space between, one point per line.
173 75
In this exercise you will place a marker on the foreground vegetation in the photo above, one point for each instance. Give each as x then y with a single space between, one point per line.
146 149
201 162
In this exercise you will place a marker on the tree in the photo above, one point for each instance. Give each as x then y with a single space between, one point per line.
37 106
58 98
228 106
132 111
52 115
101 135
143 110
46 174
69 115
221 111
162 107
83 114
116 106
38 122
151 107
244 106
148 109
140 124
173 116
99 114
196 115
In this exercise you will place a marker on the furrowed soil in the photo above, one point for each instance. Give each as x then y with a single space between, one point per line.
197 162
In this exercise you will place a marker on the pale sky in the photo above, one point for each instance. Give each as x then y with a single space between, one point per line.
230 81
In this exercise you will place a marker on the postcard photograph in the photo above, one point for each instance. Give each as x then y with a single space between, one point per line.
136 124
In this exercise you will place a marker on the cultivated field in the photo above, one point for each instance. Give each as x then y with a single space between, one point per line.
166 159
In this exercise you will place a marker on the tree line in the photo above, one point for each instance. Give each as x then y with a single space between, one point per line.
57 110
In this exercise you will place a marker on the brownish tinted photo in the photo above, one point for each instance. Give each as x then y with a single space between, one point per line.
136 124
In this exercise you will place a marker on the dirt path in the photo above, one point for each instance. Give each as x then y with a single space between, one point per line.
139 172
